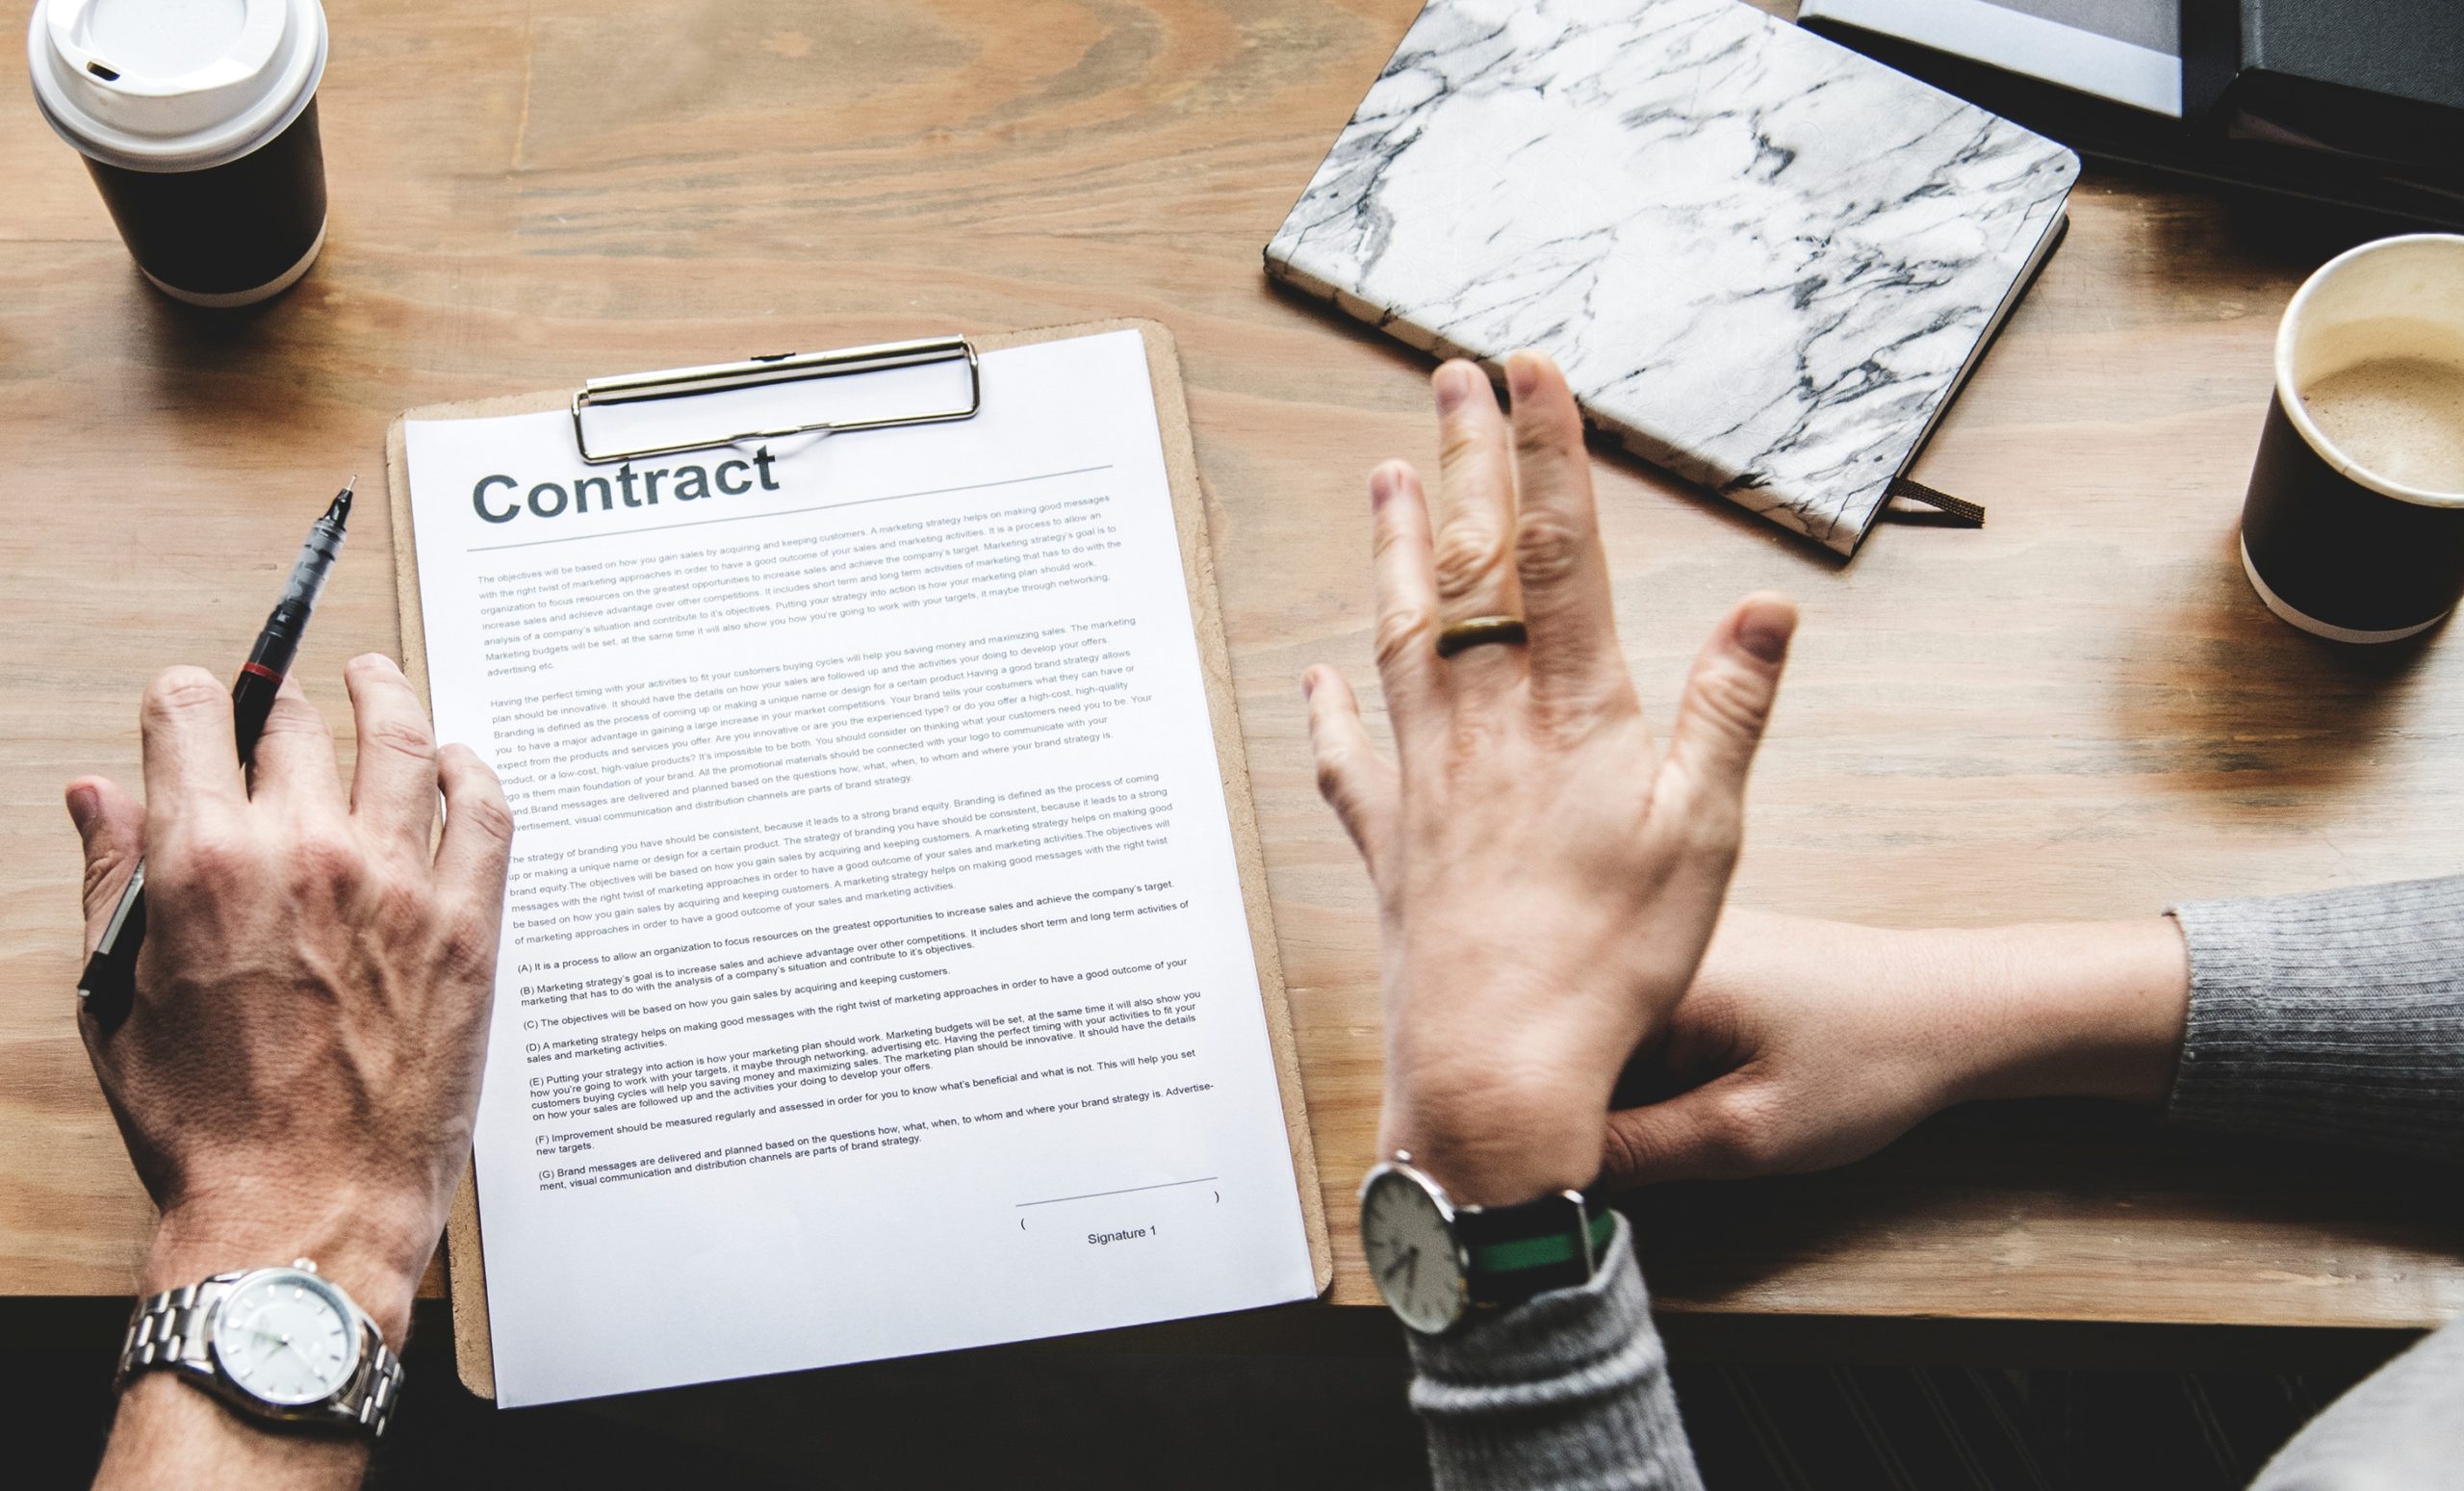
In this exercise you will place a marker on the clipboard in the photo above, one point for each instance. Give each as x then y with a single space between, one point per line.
466 1269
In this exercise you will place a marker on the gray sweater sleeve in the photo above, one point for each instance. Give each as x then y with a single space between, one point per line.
2334 1016
1569 1390
2338 1016
2401 1427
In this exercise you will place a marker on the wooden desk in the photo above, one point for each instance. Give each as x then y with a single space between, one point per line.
2078 712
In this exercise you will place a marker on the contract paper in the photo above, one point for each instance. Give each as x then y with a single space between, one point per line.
875 976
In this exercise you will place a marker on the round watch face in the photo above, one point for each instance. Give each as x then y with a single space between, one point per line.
287 1337
1411 1252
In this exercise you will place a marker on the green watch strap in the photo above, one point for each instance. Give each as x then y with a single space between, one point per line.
1554 1250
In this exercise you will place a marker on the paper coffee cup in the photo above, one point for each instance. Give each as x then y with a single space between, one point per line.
2354 528
197 119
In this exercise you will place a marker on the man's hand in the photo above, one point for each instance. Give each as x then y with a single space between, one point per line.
1805 1044
299 1073
1544 885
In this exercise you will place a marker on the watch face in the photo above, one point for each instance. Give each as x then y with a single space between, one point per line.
287 1337
1411 1251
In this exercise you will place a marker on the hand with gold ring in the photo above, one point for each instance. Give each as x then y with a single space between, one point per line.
1545 879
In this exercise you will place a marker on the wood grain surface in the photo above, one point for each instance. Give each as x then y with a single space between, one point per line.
2080 710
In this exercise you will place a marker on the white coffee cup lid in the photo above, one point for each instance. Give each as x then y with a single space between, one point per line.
174 85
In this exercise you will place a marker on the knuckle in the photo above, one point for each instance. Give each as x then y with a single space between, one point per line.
1712 818
1403 634
1471 759
1467 557
1342 786
208 853
1549 546
467 946
1460 442
401 902
1339 786
1334 781
486 812
103 869
1710 832
402 735
291 716
1537 435
1553 439
1735 700
1384 535
323 858
1740 1136
1715 862
175 691
1577 706
1621 1156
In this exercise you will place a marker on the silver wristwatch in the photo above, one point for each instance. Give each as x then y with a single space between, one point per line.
283 1345
1437 1264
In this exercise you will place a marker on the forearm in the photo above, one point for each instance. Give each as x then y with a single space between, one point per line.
169 1434
2074 1009
2060 1009
2335 1015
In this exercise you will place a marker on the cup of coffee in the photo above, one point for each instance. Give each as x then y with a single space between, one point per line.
2354 528
197 119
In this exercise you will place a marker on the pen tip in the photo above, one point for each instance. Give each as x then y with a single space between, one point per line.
341 508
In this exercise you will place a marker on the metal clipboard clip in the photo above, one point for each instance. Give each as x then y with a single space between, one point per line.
777 368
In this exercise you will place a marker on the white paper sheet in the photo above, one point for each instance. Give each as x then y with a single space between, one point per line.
875 978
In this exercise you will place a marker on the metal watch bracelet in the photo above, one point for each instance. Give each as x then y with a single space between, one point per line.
169 1330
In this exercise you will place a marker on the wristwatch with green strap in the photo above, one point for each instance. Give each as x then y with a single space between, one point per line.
1437 1264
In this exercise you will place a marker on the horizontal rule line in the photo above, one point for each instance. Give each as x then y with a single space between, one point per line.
790 512
1162 1185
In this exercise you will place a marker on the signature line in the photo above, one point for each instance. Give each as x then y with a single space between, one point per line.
1164 1185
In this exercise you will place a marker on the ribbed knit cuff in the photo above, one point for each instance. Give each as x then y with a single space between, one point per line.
1569 1389
2336 1016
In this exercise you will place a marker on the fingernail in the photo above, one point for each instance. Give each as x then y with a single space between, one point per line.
1455 382
83 804
1522 375
1766 628
1308 683
1381 483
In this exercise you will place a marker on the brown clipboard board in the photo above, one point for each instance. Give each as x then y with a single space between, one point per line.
466 1270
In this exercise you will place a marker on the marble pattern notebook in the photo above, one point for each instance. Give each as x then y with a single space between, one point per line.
1764 262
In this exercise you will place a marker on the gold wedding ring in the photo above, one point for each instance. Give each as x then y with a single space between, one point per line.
1479 631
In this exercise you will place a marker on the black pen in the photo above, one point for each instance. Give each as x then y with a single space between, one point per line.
108 983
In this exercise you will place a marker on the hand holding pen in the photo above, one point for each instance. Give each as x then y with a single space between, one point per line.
109 984
297 1074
